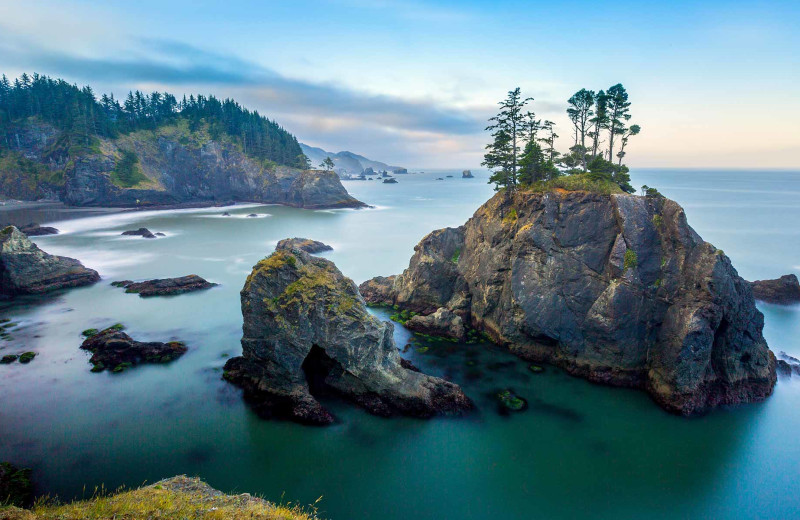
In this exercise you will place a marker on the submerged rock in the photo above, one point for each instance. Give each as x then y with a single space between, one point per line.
141 232
114 350
303 244
510 401
787 365
614 288
784 290
26 269
165 286
34 230
307 331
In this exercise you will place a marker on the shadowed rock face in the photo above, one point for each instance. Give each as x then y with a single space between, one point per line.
307 330
26 269
615 288
784 290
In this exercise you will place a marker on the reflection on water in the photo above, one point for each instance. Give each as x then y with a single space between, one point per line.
579 451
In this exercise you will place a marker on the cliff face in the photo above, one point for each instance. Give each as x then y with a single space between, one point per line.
615 288
307 330
170 165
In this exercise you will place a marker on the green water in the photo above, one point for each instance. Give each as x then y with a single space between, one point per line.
579 451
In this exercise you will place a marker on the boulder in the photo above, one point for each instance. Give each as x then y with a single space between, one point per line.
784 290
165 286
26 269
141 232
618 289
307 332
34 230
114 350
304 244
443 322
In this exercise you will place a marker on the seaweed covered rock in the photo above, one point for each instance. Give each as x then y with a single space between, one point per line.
165 286
114 350
784 290
307 331
304 244
26 269
618 289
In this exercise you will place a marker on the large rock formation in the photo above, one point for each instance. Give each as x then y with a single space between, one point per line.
307 330
173 166
26 269
615 288
784 290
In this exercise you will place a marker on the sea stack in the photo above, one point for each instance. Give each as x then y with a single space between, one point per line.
26 269
307 330
618 289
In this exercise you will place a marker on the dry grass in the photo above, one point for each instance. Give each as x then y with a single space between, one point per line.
576 182
175 498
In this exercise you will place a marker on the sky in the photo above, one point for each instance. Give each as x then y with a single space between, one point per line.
712 84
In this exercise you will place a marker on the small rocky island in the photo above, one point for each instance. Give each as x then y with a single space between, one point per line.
114 350
165 286
618 289
141 232
784 290
307 331
467 174
26 269
303 244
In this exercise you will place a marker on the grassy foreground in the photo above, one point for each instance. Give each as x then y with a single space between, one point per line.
175 498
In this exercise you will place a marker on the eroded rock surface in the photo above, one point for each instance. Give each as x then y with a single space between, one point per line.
784 290
26 269
165 286
304 244
307 331
615 288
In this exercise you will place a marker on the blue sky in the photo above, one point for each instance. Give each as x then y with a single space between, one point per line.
713 84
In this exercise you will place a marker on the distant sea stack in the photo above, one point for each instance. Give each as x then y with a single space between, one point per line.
26 269
618 289
307 330
784 290
467 174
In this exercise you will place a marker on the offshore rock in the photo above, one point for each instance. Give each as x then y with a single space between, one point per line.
304 244
114 350
165 286
26 269
618 289
784 290
141 232
34 230
307 331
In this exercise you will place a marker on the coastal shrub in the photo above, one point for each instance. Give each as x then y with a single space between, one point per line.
630 259
127 173
658 220
577 182
511 217
456 256
117 327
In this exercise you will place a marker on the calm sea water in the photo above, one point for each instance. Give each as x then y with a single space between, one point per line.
580 451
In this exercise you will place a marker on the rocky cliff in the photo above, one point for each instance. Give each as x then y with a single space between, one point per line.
26 269
618 289
307 331
170 165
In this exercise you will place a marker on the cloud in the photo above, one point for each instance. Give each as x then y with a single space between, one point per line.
176 64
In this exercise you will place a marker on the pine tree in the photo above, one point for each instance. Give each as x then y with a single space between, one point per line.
580 113
508 130
618 115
